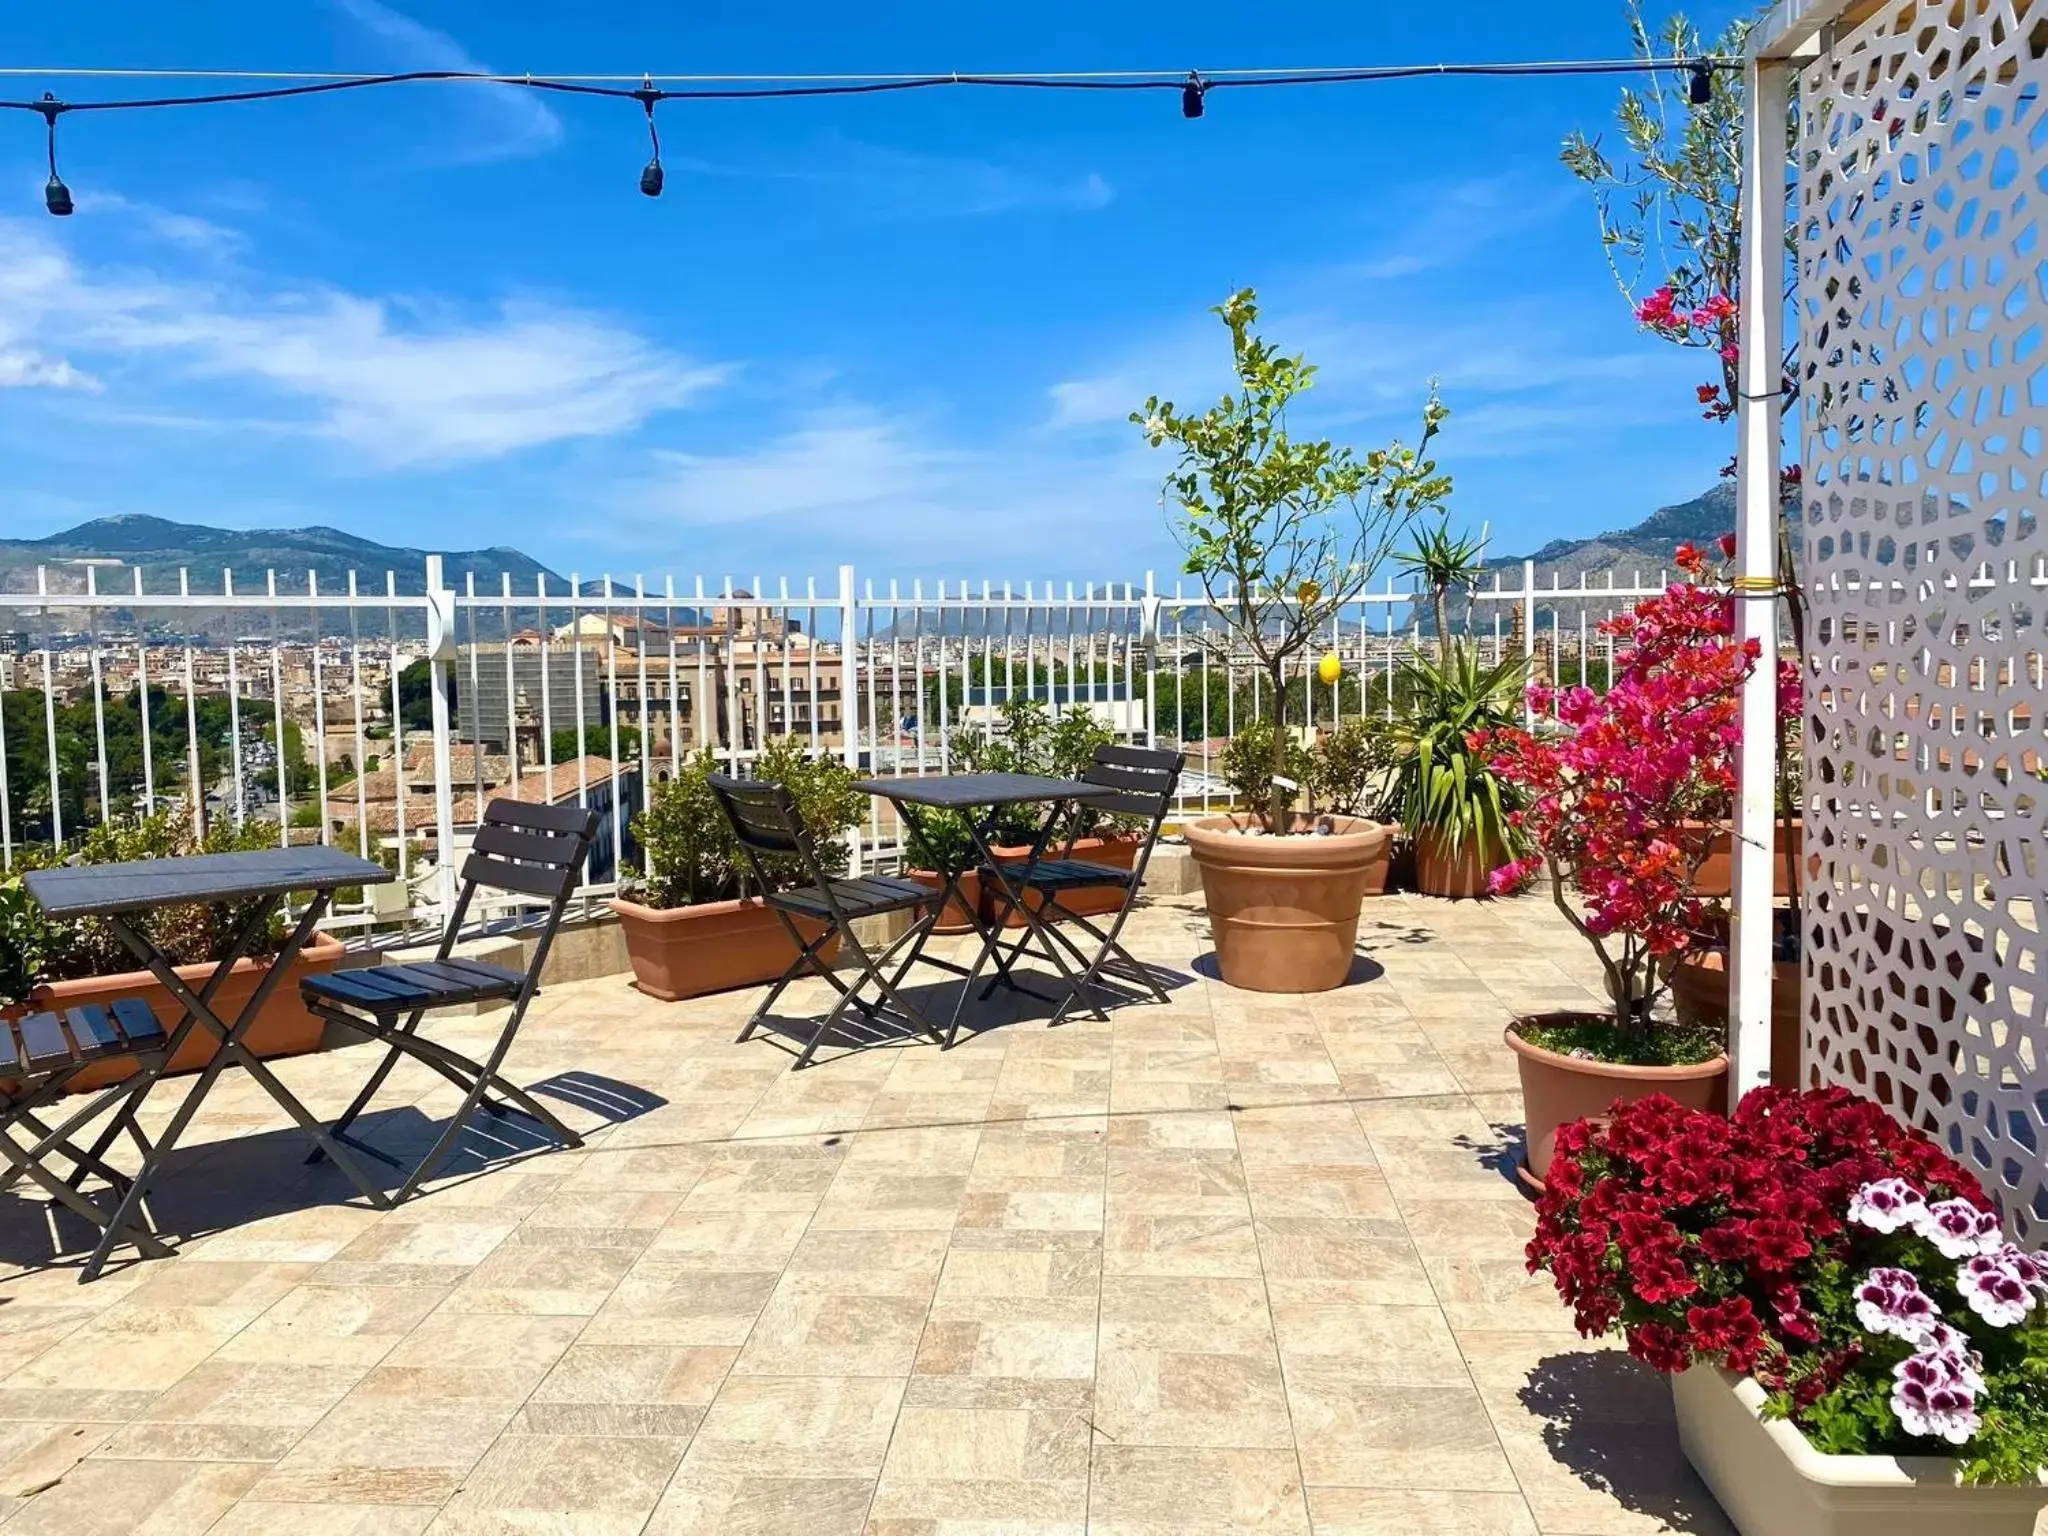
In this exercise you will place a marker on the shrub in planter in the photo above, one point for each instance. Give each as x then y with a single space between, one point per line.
1843 1263
1283 532
1445 793
1030 740
698 930
1608 798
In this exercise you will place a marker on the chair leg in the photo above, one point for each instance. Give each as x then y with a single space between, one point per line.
27 1161
376 1080
807 958
1109 946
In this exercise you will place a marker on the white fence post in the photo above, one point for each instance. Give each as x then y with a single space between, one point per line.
849 696
441 653
1528 639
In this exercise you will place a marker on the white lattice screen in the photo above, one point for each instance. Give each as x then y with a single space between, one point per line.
1922 298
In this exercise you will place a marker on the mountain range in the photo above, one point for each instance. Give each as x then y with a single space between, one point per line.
160 548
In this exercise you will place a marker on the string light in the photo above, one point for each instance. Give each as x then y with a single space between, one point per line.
1194 89
651 178
56 196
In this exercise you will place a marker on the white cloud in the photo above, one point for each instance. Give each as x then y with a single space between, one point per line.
21 368
397 382
508 121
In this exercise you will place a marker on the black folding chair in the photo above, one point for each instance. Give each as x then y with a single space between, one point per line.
765 820
1140 782
534 850
40 1056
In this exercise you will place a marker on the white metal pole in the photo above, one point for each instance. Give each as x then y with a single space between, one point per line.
1759 413
441 652
1528 638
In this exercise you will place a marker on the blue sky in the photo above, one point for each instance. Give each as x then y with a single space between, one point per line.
904 331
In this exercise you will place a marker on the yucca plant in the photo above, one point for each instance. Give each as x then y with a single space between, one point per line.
1440 783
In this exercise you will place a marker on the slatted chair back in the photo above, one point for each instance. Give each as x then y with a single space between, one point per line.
533 850
768 825
1141 782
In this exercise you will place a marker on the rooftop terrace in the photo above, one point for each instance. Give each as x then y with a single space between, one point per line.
1243 1263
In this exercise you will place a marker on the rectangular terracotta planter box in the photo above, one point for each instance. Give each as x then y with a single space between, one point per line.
1119 851
959 916
716 946
1771 1482
283 1028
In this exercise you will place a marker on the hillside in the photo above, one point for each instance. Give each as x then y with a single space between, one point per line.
160 548
1645 548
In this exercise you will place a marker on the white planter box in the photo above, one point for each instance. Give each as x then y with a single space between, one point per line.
1772 1483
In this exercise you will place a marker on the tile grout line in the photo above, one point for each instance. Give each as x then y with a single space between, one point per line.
1464 1361
896 1423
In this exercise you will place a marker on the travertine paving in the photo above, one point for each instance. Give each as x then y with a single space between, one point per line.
1242 1263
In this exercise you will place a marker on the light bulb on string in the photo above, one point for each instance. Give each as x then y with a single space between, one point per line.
56 196
651 178
1192 94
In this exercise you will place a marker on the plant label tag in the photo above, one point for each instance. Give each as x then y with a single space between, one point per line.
1280 782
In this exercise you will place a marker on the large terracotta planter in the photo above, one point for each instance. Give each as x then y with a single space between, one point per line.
959 916
1557 1090
680 952
283 1028
1284 910
1772 1482
1699 991
1439 871
1715 879
1119 850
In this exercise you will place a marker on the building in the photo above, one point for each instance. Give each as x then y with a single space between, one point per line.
498 713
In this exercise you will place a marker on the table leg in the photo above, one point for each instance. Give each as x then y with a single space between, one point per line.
1013 897
199 1012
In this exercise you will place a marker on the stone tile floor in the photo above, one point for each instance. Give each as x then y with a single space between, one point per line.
1242 1263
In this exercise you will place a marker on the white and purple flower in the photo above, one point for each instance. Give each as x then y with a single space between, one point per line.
2000 1286
1958 1229
1935 1393
1891 1301
1885 1205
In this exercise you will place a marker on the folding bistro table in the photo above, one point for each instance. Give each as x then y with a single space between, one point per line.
120 893
978 798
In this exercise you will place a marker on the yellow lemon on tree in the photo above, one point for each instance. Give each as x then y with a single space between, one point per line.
1330 668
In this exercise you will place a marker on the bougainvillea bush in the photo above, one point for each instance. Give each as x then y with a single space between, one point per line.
1619 796
1846 1263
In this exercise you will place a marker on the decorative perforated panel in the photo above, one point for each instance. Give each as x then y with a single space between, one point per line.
1923 290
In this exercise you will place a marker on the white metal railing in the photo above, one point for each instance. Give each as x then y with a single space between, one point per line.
120 698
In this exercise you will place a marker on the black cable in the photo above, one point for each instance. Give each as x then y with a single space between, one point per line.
647 94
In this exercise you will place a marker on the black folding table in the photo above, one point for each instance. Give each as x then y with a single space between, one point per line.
979 799
120 893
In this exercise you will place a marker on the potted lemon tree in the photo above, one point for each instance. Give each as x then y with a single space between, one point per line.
1283 532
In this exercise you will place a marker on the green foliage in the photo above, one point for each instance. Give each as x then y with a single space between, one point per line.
38 949
1345 765
692 855
1283 532
597 742
1444 562
1032 740
27 731
1439 782
1252 759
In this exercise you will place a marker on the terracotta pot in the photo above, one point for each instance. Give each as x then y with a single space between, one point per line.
1119 850
680 952
959 916
1557 1090
1717 871
283 1028
1440 872
1699 991
1772 1482
1284 910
